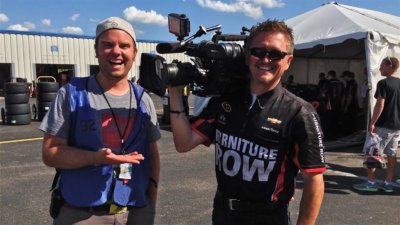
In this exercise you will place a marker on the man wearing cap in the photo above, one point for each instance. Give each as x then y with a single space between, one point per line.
101 135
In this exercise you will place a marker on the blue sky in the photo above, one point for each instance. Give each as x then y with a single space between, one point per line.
149 17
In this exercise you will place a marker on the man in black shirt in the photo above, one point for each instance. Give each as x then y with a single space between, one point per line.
263 134
349 104
385 122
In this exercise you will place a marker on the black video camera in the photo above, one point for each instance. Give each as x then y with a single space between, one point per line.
216 67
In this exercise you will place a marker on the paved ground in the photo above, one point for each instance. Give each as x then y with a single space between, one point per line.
187 183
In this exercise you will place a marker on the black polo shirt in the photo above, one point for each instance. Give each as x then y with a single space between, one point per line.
260 150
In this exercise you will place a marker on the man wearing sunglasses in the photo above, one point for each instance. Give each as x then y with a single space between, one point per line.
263 137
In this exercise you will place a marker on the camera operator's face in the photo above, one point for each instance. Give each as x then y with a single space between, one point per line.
116 53
267 58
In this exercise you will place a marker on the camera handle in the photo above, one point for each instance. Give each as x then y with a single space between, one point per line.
202 30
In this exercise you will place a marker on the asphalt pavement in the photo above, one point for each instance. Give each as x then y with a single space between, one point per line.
187 184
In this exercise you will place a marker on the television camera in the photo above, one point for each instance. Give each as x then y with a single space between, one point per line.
217 67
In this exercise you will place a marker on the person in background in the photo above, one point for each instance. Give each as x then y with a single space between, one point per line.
322 82
263 134
101 135
290 85
350 105
385 122
334 98
323 107
64 78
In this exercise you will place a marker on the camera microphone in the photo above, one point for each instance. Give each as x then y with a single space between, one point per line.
165 48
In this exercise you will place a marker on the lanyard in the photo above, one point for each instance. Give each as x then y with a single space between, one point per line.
121 135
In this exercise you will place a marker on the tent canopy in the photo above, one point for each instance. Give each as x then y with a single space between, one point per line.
341 37
334 23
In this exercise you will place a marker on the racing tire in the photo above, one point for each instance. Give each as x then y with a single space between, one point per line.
16 88
17 109
22 119
46 87
42 109
34 112
3 116
46 96
16 98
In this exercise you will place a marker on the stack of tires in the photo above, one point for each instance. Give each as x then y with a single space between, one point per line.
46 90
18 111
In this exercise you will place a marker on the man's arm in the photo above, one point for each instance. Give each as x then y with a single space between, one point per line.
311 200
56 153
184 138
155 173
380 103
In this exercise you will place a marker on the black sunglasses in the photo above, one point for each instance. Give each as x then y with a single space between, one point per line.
271 54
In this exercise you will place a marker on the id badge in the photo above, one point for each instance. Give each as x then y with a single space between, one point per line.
125 171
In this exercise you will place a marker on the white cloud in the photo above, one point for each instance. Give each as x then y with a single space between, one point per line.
149 17
251 8
94 20
46 22
75 17
29 25
139 32
3 18
269 3
72 30
18 27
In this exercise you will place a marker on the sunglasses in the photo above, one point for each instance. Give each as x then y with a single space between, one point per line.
270 54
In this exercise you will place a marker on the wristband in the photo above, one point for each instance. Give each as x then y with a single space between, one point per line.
176 111
154 182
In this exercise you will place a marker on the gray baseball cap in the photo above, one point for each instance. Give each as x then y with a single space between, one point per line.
115 23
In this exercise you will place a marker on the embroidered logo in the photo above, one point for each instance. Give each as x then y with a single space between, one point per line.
114 24
274 120
226 107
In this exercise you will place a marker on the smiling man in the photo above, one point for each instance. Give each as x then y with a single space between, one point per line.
263 137
100 135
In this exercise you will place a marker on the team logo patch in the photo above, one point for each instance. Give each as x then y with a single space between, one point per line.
226 107
274 120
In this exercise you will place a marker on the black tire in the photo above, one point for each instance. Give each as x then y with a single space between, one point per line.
22 119
34 111
47 87
42 109
46 96
15 88
3 115
16 98
17 109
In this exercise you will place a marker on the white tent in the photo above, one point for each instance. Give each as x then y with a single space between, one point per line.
341 37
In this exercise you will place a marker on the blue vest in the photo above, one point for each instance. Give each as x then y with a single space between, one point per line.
95 185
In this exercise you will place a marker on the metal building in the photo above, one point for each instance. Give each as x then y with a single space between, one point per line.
28 55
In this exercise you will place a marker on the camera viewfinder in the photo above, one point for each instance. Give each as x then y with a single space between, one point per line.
179 25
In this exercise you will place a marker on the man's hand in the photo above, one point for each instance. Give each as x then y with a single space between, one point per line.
106 156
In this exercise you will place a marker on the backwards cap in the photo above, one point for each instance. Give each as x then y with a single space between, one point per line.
115 23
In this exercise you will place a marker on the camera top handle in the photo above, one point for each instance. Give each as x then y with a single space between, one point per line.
202 30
